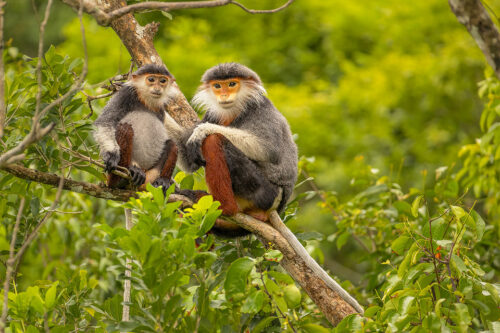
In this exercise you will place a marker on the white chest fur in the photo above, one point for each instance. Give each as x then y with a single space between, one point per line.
149 137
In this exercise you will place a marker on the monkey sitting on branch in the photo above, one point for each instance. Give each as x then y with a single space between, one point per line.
130 130
244 143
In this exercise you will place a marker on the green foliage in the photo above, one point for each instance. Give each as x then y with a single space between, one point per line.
481 170
378 91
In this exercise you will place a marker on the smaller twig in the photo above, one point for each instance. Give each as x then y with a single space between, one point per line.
10 266
262 11
119 171
128 272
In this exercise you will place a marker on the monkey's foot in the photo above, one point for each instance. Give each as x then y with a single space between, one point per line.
164 182
258 214
193 195
137 175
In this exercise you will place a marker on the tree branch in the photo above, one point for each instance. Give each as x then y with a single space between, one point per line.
105 18
10 266
93 190
476 19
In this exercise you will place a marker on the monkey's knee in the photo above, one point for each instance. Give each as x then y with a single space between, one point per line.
170 159
211 144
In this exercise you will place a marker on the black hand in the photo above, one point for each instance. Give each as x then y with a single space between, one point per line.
163 182
193 152
111 160
138 176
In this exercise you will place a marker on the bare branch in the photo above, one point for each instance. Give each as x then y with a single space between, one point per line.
105 18
262 11
10 266
476 19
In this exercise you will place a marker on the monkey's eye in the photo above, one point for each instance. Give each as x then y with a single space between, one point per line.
163 80
217 86
151 79
232 83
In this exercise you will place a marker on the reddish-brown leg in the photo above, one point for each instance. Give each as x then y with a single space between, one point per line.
124 137
171 158
217 174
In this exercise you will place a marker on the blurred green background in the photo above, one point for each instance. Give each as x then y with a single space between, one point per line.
386 83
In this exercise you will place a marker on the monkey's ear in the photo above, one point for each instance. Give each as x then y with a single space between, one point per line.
134 76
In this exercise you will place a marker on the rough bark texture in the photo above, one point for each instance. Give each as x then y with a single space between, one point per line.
81 187
70 185
329 302
333 306
473 15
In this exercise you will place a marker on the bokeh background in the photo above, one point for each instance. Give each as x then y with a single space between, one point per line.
387 84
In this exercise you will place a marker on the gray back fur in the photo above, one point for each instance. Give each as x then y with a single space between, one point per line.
265 121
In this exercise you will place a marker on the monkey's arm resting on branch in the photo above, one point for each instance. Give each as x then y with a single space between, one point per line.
245 141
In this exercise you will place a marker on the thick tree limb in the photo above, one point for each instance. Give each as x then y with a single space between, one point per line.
473 15
93 190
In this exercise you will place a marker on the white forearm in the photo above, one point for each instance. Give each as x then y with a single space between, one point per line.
105 137
245 141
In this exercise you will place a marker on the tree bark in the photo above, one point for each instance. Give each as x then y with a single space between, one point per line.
473 15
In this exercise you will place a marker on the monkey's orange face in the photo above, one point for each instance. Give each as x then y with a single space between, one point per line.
226 91
156 84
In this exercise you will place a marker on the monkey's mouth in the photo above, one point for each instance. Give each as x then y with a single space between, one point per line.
226 102
156 95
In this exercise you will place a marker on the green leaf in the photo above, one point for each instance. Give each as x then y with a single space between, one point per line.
416 205
204 203
50 296
372 311
314 328
236 277
458 212
461 317
342 239
205 259
292 296
400 244
254 302
457 263
263 324
480 225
